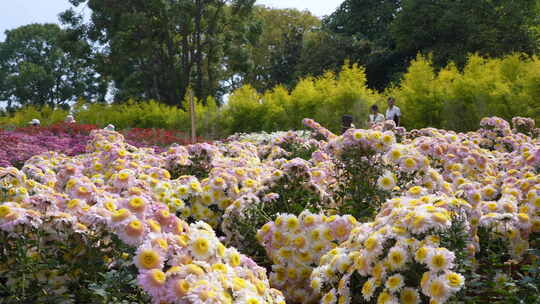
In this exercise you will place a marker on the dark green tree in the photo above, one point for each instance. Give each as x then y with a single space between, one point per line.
38 68
452 29
365 26
324 51
278 51
157 49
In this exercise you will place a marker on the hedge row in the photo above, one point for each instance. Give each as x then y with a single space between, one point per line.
450 98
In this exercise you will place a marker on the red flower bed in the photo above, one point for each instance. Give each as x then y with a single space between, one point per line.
158 137
59 128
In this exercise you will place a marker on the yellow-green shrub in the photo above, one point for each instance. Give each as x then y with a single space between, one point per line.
324 99
453 99
449 98
46 116
150 114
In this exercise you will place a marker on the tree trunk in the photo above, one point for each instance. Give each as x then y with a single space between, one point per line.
199 7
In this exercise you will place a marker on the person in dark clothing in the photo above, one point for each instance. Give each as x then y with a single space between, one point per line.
346 123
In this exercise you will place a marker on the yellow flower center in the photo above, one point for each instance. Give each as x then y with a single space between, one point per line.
234 259
135 228
454 280
182 287
201 246
136 204
149 259
4 211
438 260
158 277
73 203
120 215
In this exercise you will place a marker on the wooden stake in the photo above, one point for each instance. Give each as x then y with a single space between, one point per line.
193 116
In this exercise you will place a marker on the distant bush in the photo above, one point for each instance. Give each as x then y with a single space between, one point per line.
324 99
457 100
131 114
22 117
449 98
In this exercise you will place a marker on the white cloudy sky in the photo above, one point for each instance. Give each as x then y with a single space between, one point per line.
20 12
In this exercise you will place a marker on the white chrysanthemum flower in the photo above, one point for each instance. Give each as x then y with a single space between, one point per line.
395 282
330 297
387 181
440 259
369 288
202 247
386 298
409 296
397 257
454 280
438 290
147 258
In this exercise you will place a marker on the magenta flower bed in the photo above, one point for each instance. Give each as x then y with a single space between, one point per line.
17 146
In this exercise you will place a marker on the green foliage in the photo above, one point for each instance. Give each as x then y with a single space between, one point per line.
53 267
277 52
457 99
37 68
293 197
384 35
157 49
45 114
453 29
359 194
131 114
324 99
503 282
363 27
448 98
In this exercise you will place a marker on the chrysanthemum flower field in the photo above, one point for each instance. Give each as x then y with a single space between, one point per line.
18 145
383 215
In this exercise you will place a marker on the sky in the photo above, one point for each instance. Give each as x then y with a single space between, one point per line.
20 12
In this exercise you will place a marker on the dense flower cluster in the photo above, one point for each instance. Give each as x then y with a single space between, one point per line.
295 243
118 187
19 145
480 180
396 257
429 201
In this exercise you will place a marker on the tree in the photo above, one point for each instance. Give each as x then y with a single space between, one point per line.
366 24
451 29
325 51
277 51
156 49
37 68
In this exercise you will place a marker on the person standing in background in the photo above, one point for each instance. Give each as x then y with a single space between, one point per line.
393 112
375 117
346 123
70 119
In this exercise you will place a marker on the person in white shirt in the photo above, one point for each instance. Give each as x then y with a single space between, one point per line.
70 119
375 117
393 112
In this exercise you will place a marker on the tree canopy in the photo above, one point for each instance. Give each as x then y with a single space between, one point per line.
388 34
37 67
156 49
451 29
